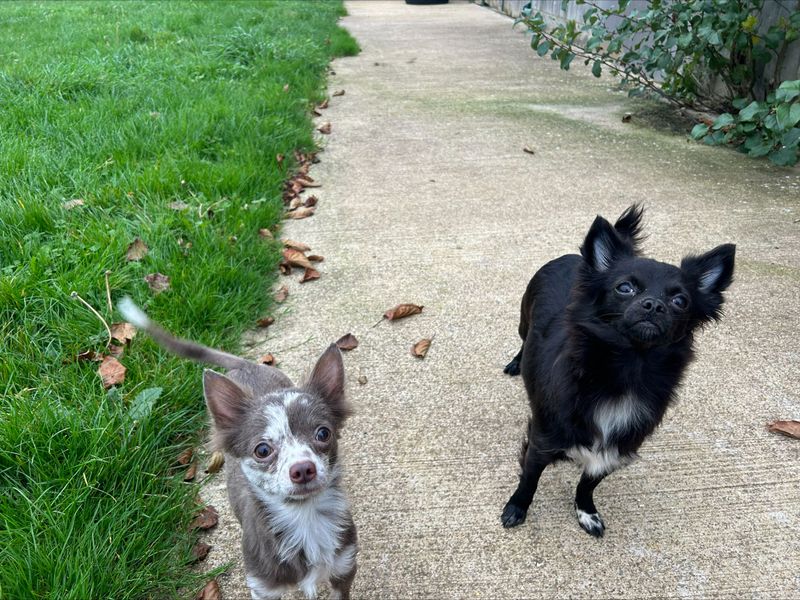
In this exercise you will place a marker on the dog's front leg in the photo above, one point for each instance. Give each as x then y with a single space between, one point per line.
588 517
340 586
516 508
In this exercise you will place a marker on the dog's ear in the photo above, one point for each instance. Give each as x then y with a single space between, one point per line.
708 275
327 381
603 245
227 402
629 226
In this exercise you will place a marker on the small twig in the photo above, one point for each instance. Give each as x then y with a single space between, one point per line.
75 295
108 294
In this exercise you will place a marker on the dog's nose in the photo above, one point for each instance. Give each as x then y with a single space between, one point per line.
302 472
653 305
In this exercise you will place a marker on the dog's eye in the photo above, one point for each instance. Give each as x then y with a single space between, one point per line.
625 288
680 301
263 450
323 434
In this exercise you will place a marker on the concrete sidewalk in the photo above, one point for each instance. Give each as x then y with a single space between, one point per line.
428 198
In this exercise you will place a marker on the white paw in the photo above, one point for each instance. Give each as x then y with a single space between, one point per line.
590 522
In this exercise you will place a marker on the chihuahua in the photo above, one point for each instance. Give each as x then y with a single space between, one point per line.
607 336
283 476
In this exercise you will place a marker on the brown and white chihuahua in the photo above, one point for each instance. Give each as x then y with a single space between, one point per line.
280 445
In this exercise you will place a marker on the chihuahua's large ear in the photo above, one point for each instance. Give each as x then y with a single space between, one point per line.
327 381
708 275
603 245
227 402
629 226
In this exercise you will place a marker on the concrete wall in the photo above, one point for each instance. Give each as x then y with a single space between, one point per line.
772 11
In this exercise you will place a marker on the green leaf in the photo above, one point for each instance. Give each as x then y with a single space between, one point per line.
784 157
566 59
593 43
723 120
761 150
699 131
543 48
774 38
788 90
753 111
740 103
791 137
615 46
597 68
142 405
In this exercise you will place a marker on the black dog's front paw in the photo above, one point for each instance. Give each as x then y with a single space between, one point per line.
513 515
591 522
512 368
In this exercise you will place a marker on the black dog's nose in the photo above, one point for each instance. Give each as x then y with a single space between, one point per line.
302 472
653 305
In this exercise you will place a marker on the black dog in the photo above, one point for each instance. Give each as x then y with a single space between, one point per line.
606 339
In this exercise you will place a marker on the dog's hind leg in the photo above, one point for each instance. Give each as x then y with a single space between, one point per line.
513 367
534 463
587 514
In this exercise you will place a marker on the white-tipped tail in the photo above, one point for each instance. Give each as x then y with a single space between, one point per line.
133 314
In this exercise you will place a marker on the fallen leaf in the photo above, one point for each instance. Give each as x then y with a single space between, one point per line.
325 128
790 428
123 332
111 371
402 311
285 268
137 250
115 351
89 355
315 112
296 258
307 182
267 359
209 592
157 282
265 321
323 105
347 342
185 456
190 472
338 93
300 213
206 519
200 551
265 233
309 275
70 204
281 294
420 349
296 202
528 149
315 258
626 118
310 201
216 462
362 379
296 245
178 205
279 158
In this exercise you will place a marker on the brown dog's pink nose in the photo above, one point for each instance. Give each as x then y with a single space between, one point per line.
302 472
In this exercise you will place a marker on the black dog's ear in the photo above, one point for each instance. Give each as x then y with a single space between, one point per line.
603 245
629 226
708 275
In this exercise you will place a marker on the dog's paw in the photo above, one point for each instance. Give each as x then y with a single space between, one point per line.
591 522
512 368
513 515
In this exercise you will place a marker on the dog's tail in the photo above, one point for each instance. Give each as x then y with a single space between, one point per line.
183 348
629 226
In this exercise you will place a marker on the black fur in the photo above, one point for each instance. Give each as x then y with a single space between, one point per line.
607 336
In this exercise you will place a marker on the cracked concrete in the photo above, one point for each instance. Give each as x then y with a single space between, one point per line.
427 197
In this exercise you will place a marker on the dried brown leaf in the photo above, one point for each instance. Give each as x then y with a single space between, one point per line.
315 258
111 371
266 233
296 202
315 112
200 551
265 321
626 118
296 245
157 282
362 379
137 250
310 201
281 294
790 428
216 462
185 456
123 332
402 311
191 472
211 589
325 128
347 342
267 359
309 275
115 351
338 93
89 355
296 258
75 202
285 268
420 349
323 105
207 518
300 213
528 150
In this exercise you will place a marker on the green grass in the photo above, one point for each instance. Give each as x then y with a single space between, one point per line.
131 106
